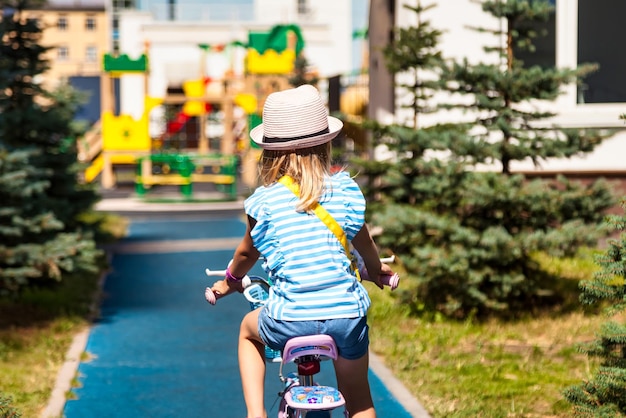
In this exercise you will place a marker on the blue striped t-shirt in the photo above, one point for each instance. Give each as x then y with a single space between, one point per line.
305 260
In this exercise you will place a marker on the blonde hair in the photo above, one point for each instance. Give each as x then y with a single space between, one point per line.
308 167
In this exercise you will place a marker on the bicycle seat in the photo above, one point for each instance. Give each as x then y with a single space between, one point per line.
322 345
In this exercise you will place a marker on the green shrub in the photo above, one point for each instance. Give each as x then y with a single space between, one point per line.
604 395
6 410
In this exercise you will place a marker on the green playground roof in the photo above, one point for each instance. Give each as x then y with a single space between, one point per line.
275 39
123 63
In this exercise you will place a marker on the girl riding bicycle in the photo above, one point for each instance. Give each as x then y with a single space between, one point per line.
314 288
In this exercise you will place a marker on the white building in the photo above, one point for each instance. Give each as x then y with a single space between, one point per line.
172 43
580 31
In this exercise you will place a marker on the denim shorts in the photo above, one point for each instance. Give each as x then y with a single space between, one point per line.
350 334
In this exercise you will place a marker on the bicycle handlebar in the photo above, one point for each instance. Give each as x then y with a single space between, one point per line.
211 296
390 280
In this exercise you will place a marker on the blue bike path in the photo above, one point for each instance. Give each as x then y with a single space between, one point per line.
158 348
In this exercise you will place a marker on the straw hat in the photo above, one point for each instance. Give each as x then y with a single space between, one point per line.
294 119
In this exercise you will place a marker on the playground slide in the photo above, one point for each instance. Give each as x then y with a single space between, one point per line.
177 123
195 90
94 169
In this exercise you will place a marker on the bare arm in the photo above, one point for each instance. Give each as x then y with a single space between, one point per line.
245 254
243 260
366 247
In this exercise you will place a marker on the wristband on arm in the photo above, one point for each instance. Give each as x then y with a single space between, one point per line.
232 278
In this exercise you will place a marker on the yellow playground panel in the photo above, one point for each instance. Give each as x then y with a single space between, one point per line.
270 58
122 139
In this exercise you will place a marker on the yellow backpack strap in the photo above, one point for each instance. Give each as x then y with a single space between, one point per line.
326 218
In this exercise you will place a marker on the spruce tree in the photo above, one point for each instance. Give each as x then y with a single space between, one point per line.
6 407
301 73
604 395
415 54
41 232
470 235
410 174
502 92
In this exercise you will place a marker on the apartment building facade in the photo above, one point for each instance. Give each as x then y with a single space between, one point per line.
78 33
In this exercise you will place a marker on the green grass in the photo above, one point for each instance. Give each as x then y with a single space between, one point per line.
35 334
455 369
493 368
37 329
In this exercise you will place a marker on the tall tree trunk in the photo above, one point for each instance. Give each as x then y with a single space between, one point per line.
381 82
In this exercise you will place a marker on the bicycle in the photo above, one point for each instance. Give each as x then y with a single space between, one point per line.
302 396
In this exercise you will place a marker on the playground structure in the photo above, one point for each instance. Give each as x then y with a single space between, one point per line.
123 140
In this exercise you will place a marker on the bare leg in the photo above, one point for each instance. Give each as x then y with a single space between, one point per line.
252 365
353 384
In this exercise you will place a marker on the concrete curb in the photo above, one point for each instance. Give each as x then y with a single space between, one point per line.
401 393
121 205
65 376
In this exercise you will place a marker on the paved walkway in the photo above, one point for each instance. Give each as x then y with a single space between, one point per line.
159 350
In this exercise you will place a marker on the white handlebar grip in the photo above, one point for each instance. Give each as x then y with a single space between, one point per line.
245 282
216 273
210 296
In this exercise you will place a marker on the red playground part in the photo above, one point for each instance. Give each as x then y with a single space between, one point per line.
182 118
177 124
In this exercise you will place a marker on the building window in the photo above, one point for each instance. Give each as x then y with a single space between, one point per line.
63 53
91 54
123 4
544 54
303 7
90 23
600 26
62 23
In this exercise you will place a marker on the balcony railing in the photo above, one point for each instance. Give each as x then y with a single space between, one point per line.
199 11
